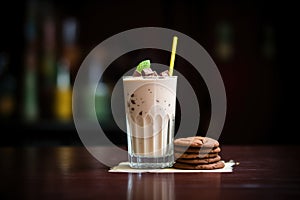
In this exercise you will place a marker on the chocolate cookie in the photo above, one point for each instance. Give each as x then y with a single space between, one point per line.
194 155
180 149
196 141
199 160
216 165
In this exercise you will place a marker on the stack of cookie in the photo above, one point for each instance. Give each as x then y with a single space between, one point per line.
197 153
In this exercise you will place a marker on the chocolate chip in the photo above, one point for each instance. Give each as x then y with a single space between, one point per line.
132 101
141 113
132 95
157 101
132 109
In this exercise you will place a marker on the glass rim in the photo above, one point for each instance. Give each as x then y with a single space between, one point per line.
150 77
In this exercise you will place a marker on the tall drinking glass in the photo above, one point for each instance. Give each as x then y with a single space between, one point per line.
150 104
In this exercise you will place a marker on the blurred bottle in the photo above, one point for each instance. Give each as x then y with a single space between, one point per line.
70 48
224 45
268 43
63 93
30 95
102 104
68 64
102 100
7 89
48 63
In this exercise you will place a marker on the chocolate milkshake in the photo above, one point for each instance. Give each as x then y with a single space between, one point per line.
150 102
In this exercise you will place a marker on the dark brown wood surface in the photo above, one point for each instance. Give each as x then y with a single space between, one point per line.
264 172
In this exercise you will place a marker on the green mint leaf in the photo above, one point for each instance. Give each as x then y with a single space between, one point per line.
143 65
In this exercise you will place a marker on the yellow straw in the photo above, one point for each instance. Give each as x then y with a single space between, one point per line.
173 55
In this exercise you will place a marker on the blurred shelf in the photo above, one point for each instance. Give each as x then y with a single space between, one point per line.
50 125
41 125
48 133
39 133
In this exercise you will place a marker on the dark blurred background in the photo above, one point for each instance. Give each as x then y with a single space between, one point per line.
43 43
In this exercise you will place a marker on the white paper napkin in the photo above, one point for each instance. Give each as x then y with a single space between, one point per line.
124 167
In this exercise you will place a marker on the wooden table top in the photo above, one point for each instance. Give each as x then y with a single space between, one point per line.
265 172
